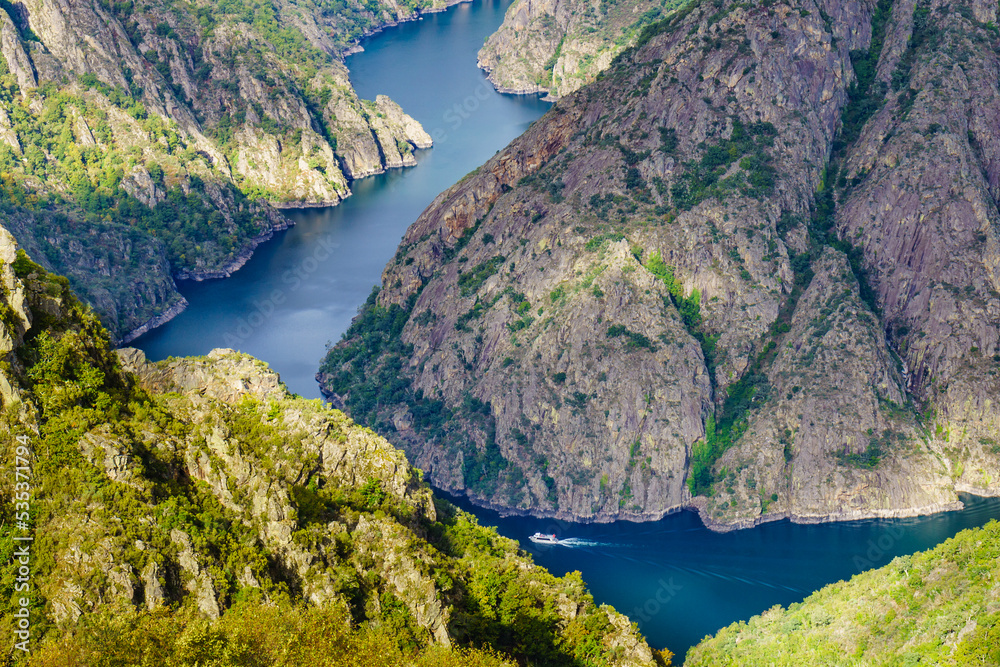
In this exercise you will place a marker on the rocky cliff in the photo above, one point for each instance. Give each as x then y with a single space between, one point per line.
750 269
174 506
556 46
172 133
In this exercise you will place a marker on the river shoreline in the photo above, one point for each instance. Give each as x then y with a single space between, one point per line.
304 287
697 506
226 271
680 581
245 254
372 32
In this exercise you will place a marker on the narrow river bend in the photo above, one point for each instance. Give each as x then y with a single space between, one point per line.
300 290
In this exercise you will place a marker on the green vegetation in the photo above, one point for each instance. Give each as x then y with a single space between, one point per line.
875 451
864 96
23 29
667 25
934 608
688 307
925 30
864 99
352 21
91 163
365 369
501 610
753 388
634 339
755 177
460 243
483 470
589 39
356 369
65 188
469 282
546 180
668 140
253 633
602 240
748 392
190 224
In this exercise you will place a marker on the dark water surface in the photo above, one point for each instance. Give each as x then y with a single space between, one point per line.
680 581
675 578
301 290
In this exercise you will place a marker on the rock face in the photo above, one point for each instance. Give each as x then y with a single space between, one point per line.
750 269
180 131
123 275
556 46
191 488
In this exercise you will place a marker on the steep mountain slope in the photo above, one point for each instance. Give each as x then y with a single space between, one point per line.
163 131
193 512
556 46
750 269
940 607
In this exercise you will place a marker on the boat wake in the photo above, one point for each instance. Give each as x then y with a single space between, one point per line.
618 550
580 542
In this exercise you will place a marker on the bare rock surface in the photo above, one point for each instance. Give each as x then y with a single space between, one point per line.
557 46
750 269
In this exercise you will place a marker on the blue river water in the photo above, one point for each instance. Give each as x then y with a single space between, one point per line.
301 290
680 581
676 579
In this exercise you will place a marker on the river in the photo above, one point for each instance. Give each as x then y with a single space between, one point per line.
676 579
300 290
680 581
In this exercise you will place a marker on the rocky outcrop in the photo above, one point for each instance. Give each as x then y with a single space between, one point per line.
196 124
17 59
14 318
557 46
837 389
923 187
125 276
195 487
747 270
413 132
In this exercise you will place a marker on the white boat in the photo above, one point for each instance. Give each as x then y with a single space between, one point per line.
544 539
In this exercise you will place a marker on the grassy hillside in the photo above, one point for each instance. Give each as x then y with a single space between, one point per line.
939 607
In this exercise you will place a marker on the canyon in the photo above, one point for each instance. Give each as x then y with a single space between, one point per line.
749 270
